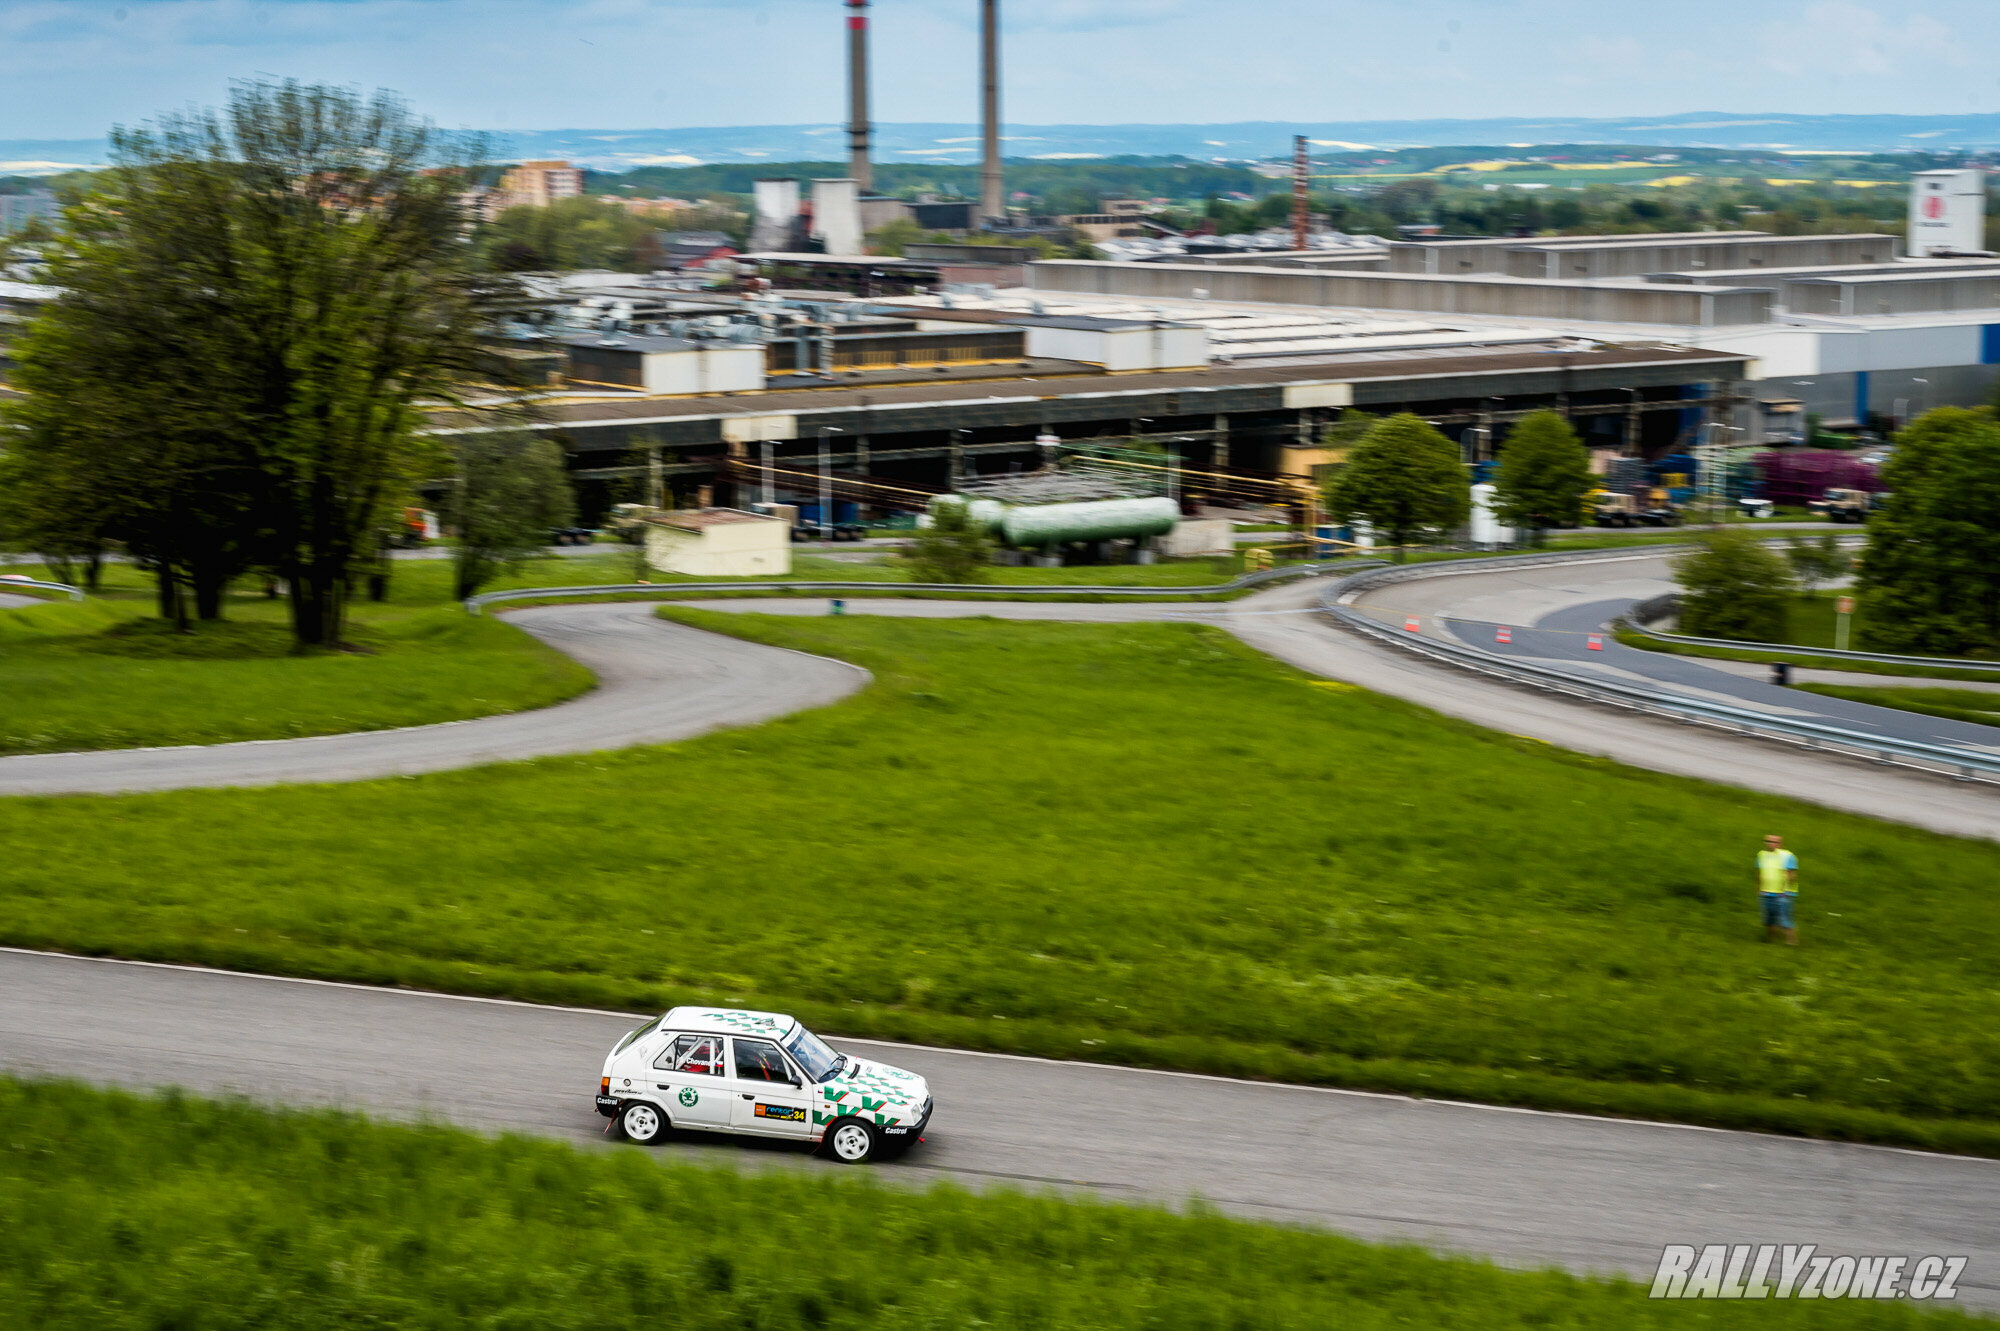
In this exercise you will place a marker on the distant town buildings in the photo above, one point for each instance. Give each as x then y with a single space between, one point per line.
682 251
539 184
17 210
652 207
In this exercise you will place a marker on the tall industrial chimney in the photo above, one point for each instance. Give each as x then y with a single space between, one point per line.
992 195
857 95
1301 167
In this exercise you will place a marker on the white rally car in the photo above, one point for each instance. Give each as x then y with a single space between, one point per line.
762 1075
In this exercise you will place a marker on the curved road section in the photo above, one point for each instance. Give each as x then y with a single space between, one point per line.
1554 611
657 682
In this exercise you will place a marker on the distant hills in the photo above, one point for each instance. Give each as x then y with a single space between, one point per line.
623 149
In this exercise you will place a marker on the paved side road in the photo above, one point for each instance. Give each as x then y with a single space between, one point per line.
660 682
656 682
1527 1189
1308 642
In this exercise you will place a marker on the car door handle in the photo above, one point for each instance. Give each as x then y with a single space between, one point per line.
748 1096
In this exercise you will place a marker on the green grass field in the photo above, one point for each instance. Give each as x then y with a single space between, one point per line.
105 674
174 1212
108 674
1138 843
1975 705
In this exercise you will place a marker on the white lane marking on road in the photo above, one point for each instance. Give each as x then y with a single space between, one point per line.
1004 1057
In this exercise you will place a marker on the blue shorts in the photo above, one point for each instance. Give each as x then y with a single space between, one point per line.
1777 909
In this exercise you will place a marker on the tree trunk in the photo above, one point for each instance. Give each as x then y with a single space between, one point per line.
93 568
318 605
172 594
209 584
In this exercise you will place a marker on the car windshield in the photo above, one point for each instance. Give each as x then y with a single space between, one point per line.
811 1053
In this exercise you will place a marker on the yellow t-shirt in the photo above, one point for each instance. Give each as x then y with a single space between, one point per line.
1774 870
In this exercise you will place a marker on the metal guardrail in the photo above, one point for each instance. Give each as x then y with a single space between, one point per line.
476 604
10 584
1967 764
1635 622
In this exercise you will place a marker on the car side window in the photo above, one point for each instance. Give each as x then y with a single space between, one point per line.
696 1055
759 1060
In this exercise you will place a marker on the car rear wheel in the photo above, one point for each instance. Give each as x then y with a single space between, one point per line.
642 1123
852 1142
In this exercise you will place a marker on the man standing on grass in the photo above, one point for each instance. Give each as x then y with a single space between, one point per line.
1778 889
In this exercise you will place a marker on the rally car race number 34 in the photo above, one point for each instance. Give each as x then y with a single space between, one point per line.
761 1075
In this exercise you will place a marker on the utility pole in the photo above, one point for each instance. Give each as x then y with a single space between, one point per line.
1300 166
770 486
992 196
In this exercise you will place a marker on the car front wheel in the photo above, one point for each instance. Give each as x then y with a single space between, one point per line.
852 1142
642 1123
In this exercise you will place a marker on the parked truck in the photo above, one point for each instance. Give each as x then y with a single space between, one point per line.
1843 505
1648 508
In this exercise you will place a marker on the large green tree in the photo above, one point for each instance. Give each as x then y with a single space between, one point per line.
511 489
1733 586
259 303
1543 475
1931 570
1404 480
586 232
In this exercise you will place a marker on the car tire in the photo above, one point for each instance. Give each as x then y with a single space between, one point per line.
853 1142
643 1123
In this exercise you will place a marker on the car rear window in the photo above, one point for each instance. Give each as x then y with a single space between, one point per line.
627 1042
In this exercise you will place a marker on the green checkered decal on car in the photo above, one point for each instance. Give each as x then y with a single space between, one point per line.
757 1023
872 1091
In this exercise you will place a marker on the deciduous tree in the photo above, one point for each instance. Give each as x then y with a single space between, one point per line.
511 489
1931 569
259 304
952 549
1733 586
1543 475
1404 480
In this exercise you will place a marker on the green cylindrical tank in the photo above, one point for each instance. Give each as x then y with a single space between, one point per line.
1095 520
982 513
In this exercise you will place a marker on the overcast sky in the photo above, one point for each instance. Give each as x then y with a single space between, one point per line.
71 68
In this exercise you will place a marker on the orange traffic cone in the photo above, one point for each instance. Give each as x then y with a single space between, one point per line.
1505 635
1596 643
1411 623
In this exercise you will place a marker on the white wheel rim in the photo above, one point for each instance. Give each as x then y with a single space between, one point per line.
641 1123
851 1142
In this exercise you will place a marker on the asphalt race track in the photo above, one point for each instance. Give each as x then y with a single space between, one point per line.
1528 1189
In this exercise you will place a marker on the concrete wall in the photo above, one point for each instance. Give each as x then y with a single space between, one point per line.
1193 537
1489 254
1917 293
1122 348
727 550
1557 261
723 368
1692 306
